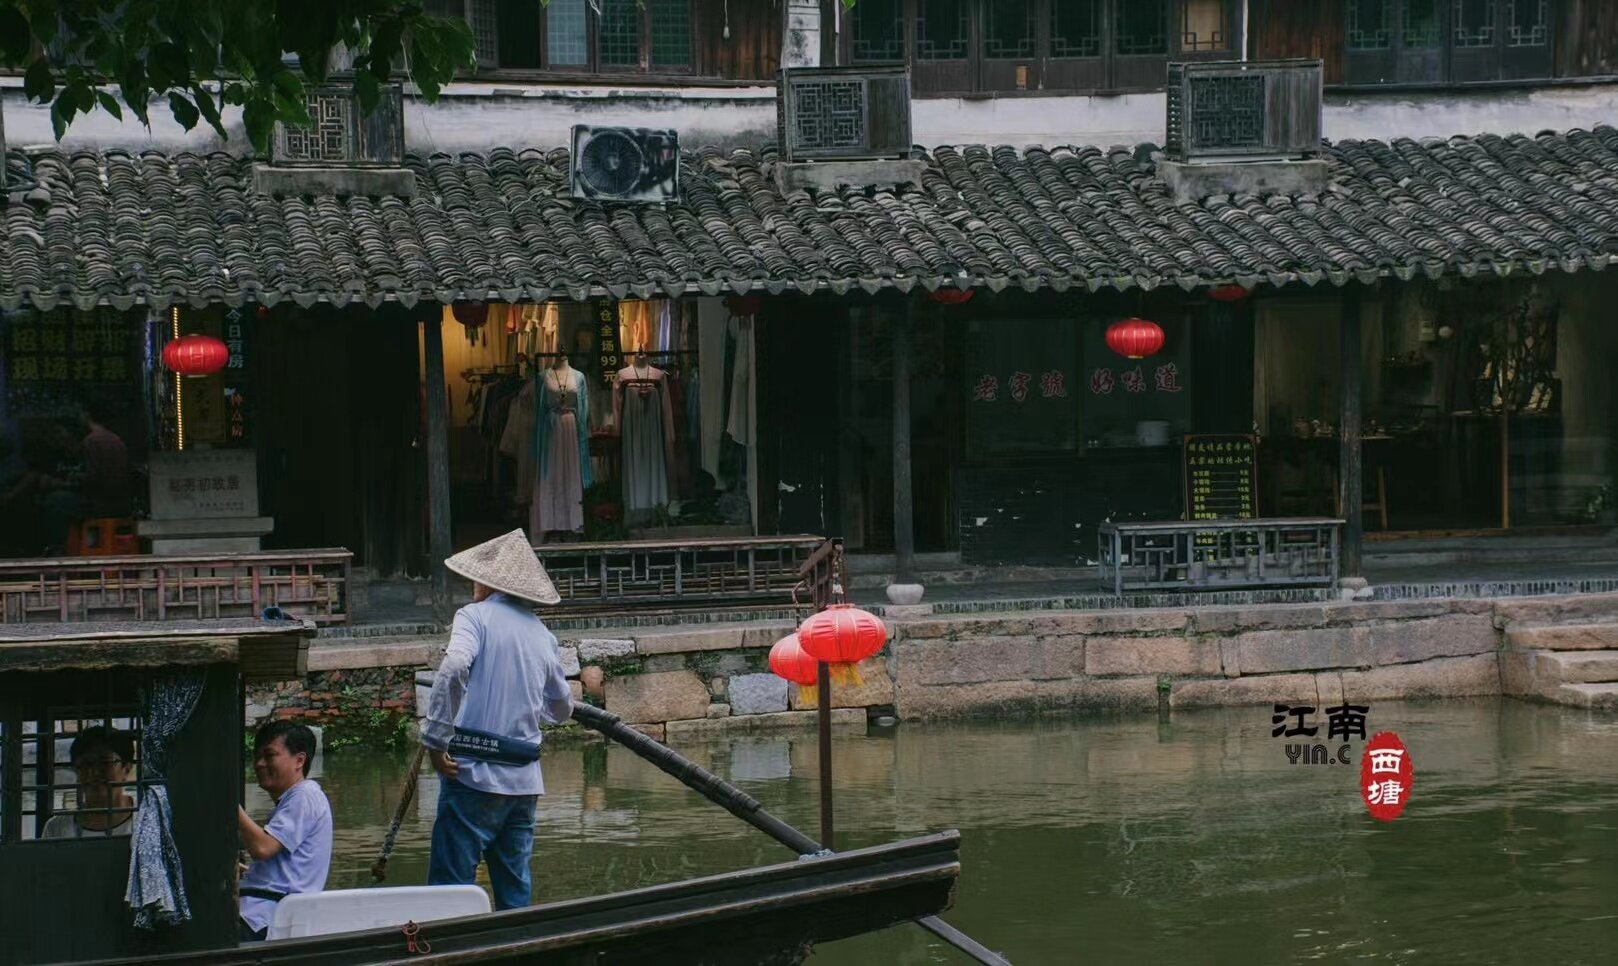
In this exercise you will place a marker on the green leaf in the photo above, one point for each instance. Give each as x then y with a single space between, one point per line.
258 117
38 83
62 113
110 104
210 110
184 111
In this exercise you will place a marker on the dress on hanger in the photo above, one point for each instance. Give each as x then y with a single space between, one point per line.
517 441
562 449
645 420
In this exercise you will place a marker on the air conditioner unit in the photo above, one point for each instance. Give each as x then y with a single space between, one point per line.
341 134
843 113
1236 110
625 164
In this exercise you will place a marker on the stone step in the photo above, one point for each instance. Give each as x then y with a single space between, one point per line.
1592 636
1579 667
1602 696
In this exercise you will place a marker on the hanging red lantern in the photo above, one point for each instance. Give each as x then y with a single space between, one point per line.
471 314
1228 293
1135 338
842 635
743 304
951 296
788 661
195 355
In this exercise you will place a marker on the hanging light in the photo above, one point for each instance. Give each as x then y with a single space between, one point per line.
471 314
195 355
1135 338
788 661
842 636
1228 293
950 296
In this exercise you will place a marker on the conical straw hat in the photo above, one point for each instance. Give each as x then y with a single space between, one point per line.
507 564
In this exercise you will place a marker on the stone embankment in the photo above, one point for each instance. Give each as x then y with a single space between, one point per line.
679 682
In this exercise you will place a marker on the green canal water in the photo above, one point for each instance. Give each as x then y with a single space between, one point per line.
1135 840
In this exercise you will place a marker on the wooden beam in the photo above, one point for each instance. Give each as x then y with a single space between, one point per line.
438 494
904 531
21 656
1351 394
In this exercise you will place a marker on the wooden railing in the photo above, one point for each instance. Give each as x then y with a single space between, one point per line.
655 573
307 584
1209 554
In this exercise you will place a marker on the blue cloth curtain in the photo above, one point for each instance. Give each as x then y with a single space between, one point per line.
156 891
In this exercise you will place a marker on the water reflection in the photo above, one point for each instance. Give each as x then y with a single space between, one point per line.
1189 839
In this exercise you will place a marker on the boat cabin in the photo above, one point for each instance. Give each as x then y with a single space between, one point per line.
156 710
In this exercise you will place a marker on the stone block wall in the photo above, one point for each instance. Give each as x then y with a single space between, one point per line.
709 679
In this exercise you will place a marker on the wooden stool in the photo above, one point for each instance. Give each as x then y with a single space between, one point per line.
1380 505
108 536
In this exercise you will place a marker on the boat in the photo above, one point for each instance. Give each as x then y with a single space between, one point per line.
65 899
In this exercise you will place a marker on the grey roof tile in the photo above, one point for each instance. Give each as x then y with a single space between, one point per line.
118 226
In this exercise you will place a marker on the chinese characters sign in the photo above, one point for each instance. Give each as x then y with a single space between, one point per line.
1386 776
1019 386
1163 378
608 358
1221 477
204 484
67 347
1344 722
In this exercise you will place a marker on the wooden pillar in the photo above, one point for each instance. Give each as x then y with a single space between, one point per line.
438 495
904 532
1351 392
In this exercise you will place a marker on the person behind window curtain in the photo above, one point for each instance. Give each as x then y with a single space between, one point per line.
103 760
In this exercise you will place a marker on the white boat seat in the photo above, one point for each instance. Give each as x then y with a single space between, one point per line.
352 910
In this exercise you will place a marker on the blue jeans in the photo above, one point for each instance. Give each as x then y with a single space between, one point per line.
473 825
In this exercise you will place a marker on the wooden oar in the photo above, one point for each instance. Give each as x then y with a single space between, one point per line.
407 791
745 807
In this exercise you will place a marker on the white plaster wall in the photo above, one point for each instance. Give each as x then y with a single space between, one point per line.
476 117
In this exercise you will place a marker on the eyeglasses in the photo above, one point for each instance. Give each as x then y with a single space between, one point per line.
95 765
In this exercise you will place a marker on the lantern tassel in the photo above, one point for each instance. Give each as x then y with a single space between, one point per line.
808 696
847 675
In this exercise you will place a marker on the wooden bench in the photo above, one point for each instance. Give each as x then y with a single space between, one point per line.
1220 554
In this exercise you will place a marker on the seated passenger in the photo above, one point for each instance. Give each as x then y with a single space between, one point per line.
103 759
292 852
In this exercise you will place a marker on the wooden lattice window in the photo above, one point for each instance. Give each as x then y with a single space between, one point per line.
1446 41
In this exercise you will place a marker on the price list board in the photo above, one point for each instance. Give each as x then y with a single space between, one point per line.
1221 479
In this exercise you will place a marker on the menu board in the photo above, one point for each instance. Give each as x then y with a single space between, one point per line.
1221 477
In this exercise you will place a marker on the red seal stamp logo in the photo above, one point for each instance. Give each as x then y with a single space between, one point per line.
1386 775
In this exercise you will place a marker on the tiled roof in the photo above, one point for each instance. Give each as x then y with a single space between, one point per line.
119 227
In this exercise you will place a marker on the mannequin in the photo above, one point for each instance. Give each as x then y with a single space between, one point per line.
561 450
645 419
517 441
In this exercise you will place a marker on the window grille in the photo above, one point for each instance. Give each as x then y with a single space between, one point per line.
1143 28
878 30
1009 29
1370 24
1474 23
619 33
1076 29
1529 23
943 29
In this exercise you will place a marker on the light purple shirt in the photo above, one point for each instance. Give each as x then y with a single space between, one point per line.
502 673
301 822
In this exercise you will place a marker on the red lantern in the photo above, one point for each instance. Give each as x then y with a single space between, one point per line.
743 304
842 635
951 296
1135 338
1228 293
195 355
788 661
471 314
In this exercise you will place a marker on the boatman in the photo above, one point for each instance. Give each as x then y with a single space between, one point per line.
501 678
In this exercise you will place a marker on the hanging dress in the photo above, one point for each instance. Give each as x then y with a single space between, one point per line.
562 450
646 426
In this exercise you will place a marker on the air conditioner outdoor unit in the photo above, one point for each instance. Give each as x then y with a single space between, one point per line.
341 134
625 164
1243 110
843 113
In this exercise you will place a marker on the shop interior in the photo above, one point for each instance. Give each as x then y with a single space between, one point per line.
1487 405
600 421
